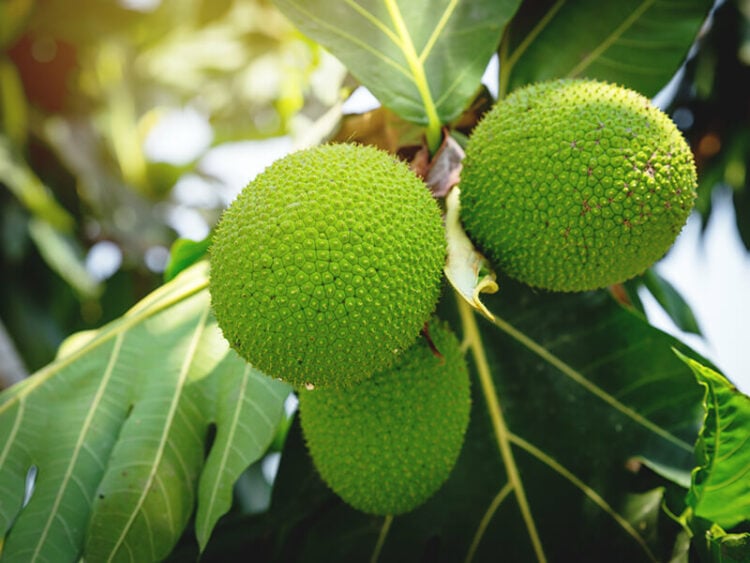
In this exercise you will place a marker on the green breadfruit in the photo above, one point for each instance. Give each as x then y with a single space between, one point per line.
388 444
574 185
327 265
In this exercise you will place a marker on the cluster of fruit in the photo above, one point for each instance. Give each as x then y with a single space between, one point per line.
328 267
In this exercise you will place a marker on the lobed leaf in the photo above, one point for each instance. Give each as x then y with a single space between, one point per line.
247 417
115 430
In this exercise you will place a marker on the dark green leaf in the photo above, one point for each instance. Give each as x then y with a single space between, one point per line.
728 548
635 43
421 58
720 489
671 301
579 401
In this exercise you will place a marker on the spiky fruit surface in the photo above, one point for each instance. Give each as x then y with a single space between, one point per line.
327 265
389 443
574 185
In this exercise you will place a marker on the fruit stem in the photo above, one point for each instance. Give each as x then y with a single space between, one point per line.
381 538
502 434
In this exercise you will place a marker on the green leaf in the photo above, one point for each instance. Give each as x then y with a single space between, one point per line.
423 59
576 402
248 416
29 189
185 253
728 548
635 43
671 301
13 105
720 489
63 253
116 430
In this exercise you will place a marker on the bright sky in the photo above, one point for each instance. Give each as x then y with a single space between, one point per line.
713 275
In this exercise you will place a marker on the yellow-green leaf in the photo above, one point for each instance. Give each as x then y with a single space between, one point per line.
421 58
115 432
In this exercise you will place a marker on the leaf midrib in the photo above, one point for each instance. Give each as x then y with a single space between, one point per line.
500 427
145 309
164 438
584 382
416 65
508 61
225 454
92 411
401 38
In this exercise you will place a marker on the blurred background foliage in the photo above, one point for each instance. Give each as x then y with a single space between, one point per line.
114 115
712 107
110 115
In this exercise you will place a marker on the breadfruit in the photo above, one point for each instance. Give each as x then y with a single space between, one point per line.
574 185
389 443
327 265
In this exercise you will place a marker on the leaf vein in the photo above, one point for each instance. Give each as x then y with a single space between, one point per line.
356 41
613 37
13 431
167 505
446 15
595 497
225 454
165 435
372 18
594 389
68 475
485 521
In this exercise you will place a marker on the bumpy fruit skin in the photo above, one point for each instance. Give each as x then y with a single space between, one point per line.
327 265
389 443
574 185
